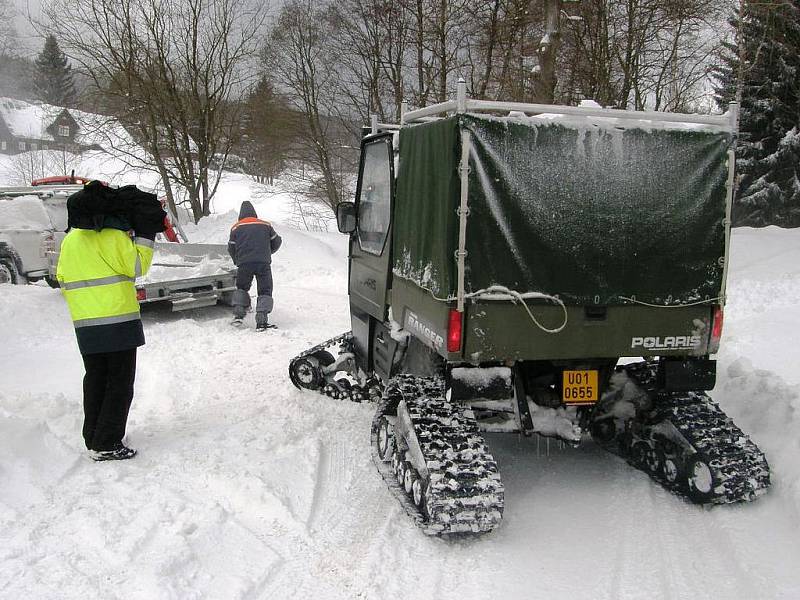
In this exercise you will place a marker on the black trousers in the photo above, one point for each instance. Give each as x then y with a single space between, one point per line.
261 271
107 397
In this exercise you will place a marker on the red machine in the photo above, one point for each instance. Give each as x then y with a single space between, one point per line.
62 180
170 232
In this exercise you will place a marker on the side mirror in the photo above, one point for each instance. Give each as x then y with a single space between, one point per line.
346 217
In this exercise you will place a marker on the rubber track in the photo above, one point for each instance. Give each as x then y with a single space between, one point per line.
388 406
369 390
465 494
740 469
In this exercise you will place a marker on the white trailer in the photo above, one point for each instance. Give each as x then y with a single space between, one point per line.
33 220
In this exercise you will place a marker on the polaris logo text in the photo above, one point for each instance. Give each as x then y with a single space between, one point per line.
670 342
423 330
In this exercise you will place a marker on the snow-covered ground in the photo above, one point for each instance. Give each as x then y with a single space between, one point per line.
248 488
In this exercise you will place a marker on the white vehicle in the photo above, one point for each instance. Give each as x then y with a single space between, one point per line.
33 221
31 228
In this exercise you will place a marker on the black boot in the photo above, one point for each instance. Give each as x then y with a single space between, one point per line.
119 452
262 322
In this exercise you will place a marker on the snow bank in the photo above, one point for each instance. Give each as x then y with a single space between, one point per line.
766 407
758 383
240 489
317 260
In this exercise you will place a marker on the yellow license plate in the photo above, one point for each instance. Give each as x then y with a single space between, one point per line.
579 387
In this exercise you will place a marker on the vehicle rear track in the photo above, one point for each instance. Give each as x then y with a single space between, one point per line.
682 440
463 492
691 447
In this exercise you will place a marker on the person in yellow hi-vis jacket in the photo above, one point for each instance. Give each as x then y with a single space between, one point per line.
96 270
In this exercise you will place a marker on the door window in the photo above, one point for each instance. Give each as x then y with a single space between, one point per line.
375 197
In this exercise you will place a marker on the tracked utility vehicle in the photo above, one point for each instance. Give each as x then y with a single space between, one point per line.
504 258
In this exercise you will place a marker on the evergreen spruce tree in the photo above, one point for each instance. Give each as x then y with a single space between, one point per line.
266 131
53 75
768 151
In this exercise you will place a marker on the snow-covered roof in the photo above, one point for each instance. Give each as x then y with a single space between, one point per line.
28 120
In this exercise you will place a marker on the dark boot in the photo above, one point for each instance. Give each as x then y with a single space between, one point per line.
263 307
120 452
241 302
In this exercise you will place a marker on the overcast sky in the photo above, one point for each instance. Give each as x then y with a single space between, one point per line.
28 10
30 43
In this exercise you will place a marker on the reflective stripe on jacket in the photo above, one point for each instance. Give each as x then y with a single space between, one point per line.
96 271
253 241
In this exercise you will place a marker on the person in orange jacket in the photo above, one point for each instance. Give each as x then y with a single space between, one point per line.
251 246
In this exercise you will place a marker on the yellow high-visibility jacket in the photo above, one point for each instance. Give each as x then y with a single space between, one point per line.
96 271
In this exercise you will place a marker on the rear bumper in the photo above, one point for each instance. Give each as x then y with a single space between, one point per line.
504 331
185 294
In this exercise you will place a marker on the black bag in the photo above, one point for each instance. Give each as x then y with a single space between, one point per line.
98 206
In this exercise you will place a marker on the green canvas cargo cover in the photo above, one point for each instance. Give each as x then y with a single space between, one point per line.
588 211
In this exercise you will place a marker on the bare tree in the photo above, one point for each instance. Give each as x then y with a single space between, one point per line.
8 34
172 71
448 21
435 42
24 167
518 32
639 53
297 53
341 61
359 44
544 87
372 45
485 45
415 50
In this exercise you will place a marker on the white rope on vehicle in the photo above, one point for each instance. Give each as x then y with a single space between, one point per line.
499 292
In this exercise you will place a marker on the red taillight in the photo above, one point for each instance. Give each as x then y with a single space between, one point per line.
141 294
716 331
48 245
454 326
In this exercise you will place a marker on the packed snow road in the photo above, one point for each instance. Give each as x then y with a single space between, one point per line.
248 488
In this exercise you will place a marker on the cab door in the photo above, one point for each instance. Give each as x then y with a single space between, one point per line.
370 247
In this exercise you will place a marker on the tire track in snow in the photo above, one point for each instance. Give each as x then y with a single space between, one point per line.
625 550
338 537
713 562
679 543
289 537
322 481
626 500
